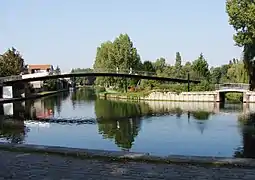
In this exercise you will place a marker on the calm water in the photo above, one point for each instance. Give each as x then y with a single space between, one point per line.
78 119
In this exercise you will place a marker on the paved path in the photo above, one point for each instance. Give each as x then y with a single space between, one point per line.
21 166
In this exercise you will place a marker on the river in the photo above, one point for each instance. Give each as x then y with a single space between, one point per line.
78 119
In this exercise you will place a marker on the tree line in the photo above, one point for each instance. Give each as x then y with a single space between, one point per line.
12 63
121 54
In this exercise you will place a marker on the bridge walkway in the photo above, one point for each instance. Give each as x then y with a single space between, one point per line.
101 72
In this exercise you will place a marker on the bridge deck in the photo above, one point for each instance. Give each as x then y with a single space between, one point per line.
232 87
135 74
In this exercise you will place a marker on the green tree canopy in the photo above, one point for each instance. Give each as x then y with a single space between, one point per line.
11 63
148 66
242 17
178 61
119 54
200 66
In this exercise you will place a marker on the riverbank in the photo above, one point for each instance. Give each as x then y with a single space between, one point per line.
21 166
32 96
154 95
122 156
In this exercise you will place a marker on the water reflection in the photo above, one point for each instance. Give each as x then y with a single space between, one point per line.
14 131
150 126
247 125
122 131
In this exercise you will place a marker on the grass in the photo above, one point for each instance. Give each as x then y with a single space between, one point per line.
127 94
46 92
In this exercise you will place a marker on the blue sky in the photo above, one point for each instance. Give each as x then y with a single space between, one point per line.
67 33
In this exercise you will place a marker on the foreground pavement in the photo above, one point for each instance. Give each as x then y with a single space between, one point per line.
21 166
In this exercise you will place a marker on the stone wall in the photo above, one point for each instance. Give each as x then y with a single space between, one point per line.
249 97
207 96
185 106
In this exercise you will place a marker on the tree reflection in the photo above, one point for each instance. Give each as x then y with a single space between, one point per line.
13 131
247 125
201 117
120 121
84 94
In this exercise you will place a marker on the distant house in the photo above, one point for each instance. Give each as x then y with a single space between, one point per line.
36 68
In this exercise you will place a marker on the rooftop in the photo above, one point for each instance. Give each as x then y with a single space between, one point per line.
39 66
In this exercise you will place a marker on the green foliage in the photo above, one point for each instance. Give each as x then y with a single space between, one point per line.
50 85
234 97
83 80
148 66
242 17
200 66
201 115
122 55
119 54
178 61
11 63
160 65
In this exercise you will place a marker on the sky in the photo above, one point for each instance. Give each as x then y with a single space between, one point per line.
67 33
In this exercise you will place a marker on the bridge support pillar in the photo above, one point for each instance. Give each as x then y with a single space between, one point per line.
245 97
220 97
15 91
1 92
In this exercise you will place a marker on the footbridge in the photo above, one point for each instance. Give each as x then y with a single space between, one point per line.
98 73
222 89
18 86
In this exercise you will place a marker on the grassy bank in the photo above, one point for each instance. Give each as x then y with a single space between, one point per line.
46 92
234 97
128 95
229 97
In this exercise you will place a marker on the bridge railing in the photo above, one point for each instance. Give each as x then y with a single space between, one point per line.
10 78
145 73
239 86
119 71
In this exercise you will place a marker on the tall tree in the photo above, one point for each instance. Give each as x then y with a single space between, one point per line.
121 55
216 75
148 66
178 61
11 63
242 17
160 64
200 67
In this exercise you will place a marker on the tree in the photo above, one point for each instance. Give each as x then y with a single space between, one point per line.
237 73
11 63
148 66
57 70
200 67
178 61
119 54
84 80
160 64
242 17
216 75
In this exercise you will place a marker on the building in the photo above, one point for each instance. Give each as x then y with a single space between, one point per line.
43 68
37 70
